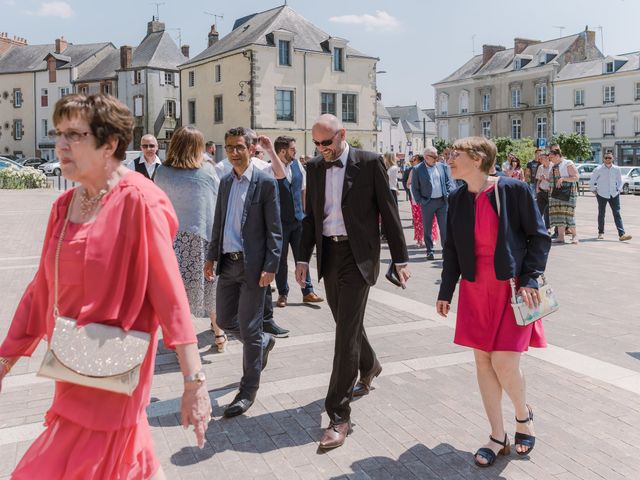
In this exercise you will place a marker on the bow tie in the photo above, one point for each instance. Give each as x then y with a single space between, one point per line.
335 163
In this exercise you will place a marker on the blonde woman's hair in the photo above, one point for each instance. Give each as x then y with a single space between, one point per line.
478 148
186 148
390 160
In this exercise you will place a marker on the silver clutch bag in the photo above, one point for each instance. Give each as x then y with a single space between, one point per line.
95 355
548 303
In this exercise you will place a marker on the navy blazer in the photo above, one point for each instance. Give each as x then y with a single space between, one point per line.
261 226
523 242
421 182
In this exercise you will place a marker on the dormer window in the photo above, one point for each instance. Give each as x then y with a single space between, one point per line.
608 68
338 59
545 56
284 53
520 61
517 64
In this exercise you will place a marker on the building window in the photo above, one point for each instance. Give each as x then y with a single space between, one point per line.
17 98
192 78
170 109
105 88
168 134
636 125
444 130
463 129
578 98
609 127
541 127
338 59
45 128
17 130
637 91
191 111
349 102
168 78
515 97
217 109
64 91
609 95
486 128
218 73
83 89
284 105
137 77
541 94
138 106
328 103
284 53
44 97
609 67
464 101
444 104
517 64
486 102
579 127
516 128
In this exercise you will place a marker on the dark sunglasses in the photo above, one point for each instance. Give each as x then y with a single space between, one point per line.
326 143
554 152
148 145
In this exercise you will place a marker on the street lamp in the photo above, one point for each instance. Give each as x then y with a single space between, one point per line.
243 96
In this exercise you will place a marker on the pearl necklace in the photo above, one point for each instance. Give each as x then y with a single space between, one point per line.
88 204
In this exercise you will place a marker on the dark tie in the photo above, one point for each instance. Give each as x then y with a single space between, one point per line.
335 163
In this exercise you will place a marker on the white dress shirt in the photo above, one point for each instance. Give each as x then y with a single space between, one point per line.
223 167
333 222
287 172
151 167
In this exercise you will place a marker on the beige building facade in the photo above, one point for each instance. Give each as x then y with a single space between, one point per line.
17 114
279 81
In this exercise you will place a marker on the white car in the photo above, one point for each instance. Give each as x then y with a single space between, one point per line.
52 167
629 175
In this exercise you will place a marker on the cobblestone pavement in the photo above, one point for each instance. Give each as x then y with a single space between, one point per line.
424 419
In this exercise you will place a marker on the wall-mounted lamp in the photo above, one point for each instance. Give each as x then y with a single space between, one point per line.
243 96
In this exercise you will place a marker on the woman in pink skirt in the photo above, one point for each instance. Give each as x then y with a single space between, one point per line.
416 212
487 248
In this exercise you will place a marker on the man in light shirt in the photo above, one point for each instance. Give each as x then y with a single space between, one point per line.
210 152
149 161
606 183
224 167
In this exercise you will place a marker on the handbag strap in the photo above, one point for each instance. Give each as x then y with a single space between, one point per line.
56 267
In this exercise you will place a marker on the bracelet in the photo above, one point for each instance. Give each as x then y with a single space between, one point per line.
6 364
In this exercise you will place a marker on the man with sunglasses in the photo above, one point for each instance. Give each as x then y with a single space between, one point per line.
347 191
147 163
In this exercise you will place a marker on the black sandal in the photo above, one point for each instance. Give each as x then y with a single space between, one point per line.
489 455
523 439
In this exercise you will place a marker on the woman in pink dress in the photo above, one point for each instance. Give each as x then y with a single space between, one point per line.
515 169
416 212
488 248
116 267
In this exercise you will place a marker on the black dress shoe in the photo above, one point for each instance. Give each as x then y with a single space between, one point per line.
275 330
265 351
238 406
363 387
430 256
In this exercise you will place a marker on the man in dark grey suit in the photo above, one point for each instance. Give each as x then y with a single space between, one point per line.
244 252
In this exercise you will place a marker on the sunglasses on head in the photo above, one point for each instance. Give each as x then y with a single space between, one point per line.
148 145
325 143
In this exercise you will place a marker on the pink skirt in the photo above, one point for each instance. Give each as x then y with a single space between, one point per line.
66 450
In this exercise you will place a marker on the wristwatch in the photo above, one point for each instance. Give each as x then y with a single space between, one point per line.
198 378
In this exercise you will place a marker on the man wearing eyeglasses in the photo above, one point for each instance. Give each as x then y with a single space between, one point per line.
347 191
244 252
606 183
147 163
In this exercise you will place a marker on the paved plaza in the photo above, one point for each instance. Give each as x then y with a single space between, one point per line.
424 419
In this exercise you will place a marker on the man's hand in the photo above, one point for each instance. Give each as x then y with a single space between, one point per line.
403 274
301 273
266 278
209 270
265 142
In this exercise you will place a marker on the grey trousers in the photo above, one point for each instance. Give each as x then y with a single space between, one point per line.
239 310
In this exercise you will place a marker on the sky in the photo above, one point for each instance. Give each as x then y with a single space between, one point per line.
418 42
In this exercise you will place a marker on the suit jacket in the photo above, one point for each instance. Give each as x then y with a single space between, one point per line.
261 227
523 242
365 197
421 182
138 166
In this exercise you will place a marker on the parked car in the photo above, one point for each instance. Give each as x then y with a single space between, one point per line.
634 186
629 175
584 172
52 167
31 161
6 163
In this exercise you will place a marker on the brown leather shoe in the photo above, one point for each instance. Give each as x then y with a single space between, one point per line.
282 301
363 387
335 435
312 298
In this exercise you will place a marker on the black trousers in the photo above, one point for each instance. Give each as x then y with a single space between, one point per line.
347 294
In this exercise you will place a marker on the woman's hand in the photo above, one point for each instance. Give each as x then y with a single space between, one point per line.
559 183
442 307
530 296
196 410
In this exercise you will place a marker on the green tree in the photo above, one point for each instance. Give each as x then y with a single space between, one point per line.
441 144
525 150
573 145
354 142
504 145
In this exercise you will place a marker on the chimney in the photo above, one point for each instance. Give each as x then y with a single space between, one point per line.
61 44
6 43
185 50
488 51
213 36
126 55
155 26
519 44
